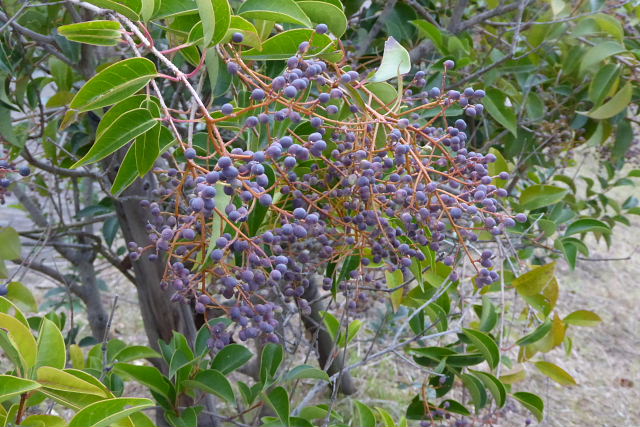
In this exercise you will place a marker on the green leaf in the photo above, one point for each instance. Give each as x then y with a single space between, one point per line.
213 381
306 371
284 45
429 30
534 281
556 373
127 172
395 279
495 103
231 357
107 412
51 348
395 61
352 331
114 83
219 76
598 53
179 360
12 386
602 83
22 339
532 402
614 106
387 419
331 323
366 418
128 104
99 33
57 379
125 128
274 10
582 318
44 421
586 225
476 390
128 8
11 248
21 295
322 12
149 376
135 352
541 195
272 355
215 16
486 345
278 398
495 386
537 334
147 148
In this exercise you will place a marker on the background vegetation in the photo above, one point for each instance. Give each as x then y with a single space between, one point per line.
111 110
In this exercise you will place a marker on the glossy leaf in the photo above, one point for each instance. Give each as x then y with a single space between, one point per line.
109 411
20 295
495 103
395 61
537 334
212 381
556 373
532 282
614 106
322 12
582 318
486 345
495 386
231 357
541 195
476 390
12 386
272 355
532 402
51 348
603 82
114 83
586 225
366 418
284 45
21 337
147 148
274 10
600 52
135 352
306 371
125 128
278 398
128 8
215 16
99 33
150 376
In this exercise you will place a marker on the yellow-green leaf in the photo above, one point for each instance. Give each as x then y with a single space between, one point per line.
556 373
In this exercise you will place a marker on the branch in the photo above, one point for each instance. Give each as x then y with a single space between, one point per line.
55 169
422 11
52 273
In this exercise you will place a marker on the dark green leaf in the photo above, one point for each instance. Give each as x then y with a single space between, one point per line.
114 83
231 358
126 127
532 402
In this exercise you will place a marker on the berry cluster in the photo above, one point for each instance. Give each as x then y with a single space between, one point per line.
318 174
6 171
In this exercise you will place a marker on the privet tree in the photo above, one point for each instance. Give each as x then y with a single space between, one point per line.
272 183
